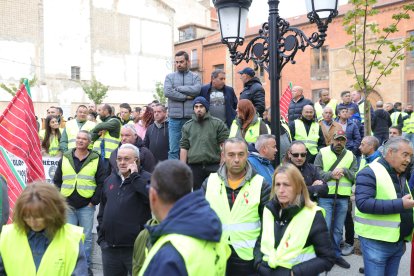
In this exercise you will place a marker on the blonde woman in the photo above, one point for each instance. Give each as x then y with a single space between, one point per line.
295 238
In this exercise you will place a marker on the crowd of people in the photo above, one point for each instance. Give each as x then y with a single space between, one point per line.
192 189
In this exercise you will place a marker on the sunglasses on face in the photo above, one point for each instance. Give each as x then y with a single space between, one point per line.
296 155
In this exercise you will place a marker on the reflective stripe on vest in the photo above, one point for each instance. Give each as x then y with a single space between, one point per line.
241 224
72 130
200 257
319 109
310 140
111 143
291 250
59 258
328 158
380 227
394 118
252 132
84 181
409 124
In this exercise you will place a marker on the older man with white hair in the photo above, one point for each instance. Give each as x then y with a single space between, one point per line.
123 212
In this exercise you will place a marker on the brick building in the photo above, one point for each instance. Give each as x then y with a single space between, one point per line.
315 69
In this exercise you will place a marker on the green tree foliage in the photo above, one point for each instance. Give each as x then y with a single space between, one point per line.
374 59
11 88
159 93
95 90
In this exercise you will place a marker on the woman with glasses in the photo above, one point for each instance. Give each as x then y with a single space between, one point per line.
40 242
296 155
295 238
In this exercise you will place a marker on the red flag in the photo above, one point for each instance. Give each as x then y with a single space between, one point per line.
285 100
18 136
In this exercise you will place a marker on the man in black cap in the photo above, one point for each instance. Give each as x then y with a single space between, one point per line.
201 140
253 90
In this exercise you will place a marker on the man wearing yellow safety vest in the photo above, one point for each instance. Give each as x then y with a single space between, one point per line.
308 131
238 195
68 138
356 97
79 176
397 115
324 101
188 239
408 126
337 166
384 213
106 135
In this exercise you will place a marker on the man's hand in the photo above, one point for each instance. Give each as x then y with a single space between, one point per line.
408 202
317 182
190 98
133 167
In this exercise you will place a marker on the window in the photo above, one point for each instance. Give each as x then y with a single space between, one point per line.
75 73
410 54
219 66
194 59
320 63
187 34
410 91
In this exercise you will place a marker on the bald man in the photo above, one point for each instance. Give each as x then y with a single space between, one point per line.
297 103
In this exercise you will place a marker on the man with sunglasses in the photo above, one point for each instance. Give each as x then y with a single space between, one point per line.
337 167
123 212
296 155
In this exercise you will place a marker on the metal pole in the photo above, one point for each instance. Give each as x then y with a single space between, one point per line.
274 73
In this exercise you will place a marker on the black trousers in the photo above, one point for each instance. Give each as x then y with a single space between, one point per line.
349 225
117 261
201 172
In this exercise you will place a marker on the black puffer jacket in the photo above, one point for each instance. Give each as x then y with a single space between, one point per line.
295 108
318 237
254 91
124 209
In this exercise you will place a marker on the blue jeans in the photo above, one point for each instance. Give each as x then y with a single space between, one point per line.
381 258
339 219
174 133
83 217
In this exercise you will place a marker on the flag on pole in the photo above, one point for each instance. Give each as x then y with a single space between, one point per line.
285 100
20 155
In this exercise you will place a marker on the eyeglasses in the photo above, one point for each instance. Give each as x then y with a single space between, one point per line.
126 159
296 155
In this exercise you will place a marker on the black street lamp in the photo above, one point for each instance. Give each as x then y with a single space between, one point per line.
276 41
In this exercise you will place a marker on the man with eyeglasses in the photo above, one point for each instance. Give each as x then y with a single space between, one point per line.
296 155
337 166
79 176
123 212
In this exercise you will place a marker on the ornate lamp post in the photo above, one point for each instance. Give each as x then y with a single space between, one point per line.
276 44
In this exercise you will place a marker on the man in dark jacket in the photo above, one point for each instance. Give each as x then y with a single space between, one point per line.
297 156
200 143
297 103
384 213
381 123
262 156
129 136
222 99
156 137
246 195
123 212
253 90
353 136
346 102
187 240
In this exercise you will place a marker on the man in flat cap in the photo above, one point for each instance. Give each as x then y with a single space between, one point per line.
201 140
253 90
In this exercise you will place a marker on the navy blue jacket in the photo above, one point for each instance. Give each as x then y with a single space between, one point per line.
230 101
365 192
190 216
262 165
254 92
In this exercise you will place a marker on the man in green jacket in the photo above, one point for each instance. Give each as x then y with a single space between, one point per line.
200 143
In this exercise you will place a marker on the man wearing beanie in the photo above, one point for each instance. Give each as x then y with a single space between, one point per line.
201 140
